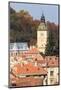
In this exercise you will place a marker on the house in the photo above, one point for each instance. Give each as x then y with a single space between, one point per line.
53 70
29 75
16 49
29 68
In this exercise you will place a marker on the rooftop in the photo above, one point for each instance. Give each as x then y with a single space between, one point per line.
28 69
18 46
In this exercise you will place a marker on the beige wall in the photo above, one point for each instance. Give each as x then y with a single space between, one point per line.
41 40
53 77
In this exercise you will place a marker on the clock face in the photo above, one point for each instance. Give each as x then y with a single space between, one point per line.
42 27
41 34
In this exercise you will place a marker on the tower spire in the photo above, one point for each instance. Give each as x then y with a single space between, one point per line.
43 18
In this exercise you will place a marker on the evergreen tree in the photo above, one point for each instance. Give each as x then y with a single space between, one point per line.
50 44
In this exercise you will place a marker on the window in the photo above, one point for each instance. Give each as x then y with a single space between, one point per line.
11 54
35 59
25 47
46 81
51 73
13 84
16 54
27 69
38 68
55 58
41 34
50 58
21 46
42 45
51 81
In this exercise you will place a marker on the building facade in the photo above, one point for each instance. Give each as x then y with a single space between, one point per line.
53 70
31 66
42 33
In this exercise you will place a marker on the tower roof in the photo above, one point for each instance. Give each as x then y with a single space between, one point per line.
43 18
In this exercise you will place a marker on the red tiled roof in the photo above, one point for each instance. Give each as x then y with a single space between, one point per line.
30 81
34 55
42 61
39 57
53 63
13 78
32 51
28 69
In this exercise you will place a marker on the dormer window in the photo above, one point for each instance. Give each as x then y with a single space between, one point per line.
36 59
56 58
38 68
27 69
51 73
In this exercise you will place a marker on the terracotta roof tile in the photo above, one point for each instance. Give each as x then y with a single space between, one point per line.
28 69
32 51
53 63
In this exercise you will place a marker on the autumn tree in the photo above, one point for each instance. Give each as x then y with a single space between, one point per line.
24 28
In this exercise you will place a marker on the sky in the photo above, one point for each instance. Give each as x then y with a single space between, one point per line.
50 11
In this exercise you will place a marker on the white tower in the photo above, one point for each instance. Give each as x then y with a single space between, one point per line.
42 35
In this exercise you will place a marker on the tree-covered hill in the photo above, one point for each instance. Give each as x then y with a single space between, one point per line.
24 28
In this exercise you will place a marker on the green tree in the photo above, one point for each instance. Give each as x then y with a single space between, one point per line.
50 44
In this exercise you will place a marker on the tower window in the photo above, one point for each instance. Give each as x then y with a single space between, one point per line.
51 73
51 81
41 34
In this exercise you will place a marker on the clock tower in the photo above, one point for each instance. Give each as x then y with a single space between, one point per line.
42 35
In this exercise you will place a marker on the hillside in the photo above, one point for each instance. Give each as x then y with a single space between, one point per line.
23 28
